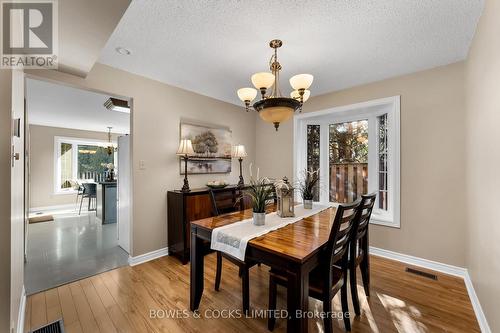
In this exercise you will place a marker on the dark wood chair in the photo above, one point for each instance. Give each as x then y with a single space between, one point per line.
359 249
225 201
330 277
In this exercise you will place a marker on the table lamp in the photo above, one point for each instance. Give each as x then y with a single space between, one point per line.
185 149
239 152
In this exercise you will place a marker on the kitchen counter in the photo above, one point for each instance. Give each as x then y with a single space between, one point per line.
107 202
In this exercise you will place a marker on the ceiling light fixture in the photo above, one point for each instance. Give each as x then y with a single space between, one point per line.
123 51
275 108
115 104
110 148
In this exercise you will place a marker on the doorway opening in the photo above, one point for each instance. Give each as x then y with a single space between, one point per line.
77 183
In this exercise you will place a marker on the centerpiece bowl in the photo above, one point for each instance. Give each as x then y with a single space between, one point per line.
217 184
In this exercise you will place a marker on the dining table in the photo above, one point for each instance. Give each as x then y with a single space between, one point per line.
295 249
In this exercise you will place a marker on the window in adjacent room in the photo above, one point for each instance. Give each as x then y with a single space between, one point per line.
79 159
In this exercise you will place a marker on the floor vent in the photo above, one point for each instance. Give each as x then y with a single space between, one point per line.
55 327
421 273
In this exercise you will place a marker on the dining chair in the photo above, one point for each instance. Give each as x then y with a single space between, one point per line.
359 249
330 276
227 201
89 192
75 185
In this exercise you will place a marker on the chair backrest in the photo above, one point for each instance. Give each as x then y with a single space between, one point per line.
363 215
341 235
90 189
225 200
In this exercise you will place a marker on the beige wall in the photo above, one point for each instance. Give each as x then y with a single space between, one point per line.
11 201
42 163
483 160
5 236
157 110
432 159
17 202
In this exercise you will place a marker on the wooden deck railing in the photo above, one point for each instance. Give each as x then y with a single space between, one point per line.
96 176
348 181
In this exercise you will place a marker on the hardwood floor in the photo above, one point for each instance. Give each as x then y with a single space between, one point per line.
121 300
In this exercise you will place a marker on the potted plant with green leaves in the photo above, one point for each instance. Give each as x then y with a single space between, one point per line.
260 191
306 187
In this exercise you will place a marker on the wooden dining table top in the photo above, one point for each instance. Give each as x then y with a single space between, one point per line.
296 241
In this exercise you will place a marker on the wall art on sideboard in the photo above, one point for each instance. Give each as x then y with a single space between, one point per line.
212 146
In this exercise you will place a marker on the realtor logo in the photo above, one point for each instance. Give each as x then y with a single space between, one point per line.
29 34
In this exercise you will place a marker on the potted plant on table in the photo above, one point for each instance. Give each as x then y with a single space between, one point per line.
306 187
260 191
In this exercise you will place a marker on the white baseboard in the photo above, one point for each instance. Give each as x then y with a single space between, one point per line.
22 312
132 261
57 207
443 268
425 263
481 318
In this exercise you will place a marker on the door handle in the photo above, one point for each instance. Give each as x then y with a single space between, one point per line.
14 156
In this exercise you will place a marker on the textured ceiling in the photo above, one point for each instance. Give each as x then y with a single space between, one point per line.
55 105
212 47
84 28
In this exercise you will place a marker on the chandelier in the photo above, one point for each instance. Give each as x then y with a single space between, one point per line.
275 108
110 148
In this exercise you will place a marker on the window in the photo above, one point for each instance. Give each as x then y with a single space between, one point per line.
356 148
79 159
313 151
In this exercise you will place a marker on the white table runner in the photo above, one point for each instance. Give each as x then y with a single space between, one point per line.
233 238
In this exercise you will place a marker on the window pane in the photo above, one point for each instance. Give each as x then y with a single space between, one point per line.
348 159
66 160
313 138
382 158
92 161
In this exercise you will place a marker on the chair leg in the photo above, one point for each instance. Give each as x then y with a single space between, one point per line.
273 290
81 203
345 307
245 288
365 266
354 289
218 271
327 309
88 208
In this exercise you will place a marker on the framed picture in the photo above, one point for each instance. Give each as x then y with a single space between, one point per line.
212 146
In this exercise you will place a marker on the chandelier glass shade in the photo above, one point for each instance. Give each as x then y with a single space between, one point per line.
274 107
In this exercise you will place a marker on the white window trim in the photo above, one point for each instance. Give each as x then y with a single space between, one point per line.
367 110
57 152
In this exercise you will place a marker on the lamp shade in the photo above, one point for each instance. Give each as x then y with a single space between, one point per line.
295 94
239 151
277 114
185 147
247 94
263 80
301 81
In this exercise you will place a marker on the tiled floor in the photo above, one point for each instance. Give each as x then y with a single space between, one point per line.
69 248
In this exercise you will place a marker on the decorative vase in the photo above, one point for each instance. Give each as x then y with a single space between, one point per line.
308 204
111 175
259 218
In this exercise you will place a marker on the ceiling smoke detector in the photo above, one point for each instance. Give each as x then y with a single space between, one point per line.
123 51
